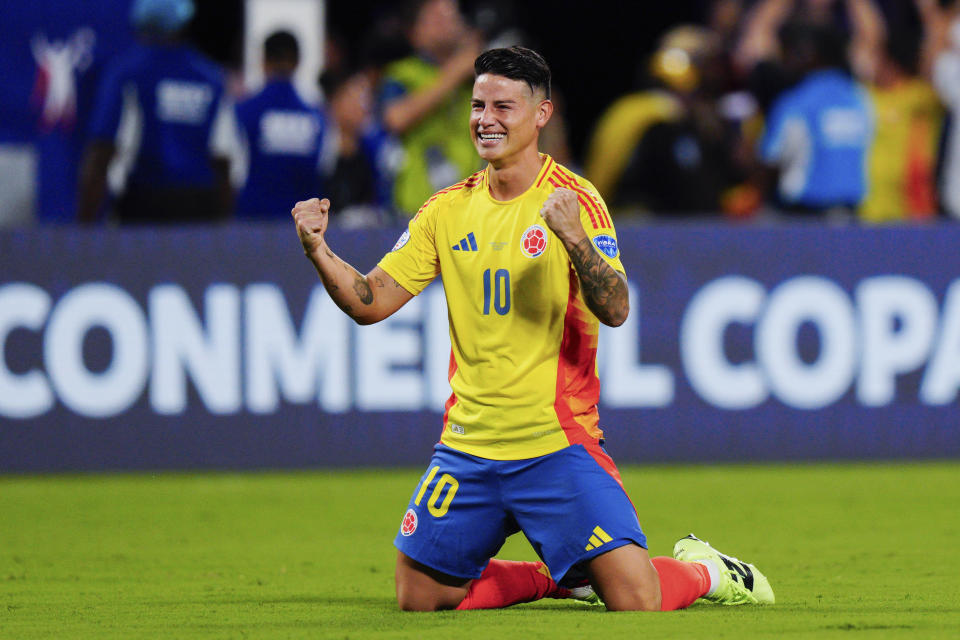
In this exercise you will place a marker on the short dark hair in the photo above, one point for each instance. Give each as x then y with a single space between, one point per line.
281 46
516 63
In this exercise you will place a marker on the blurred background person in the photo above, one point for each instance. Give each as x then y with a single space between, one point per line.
818 132
425 101
901 180
757 54
889 63
280 135
359 158
672 149
164 108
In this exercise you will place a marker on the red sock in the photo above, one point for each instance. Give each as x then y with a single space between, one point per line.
504 583
680 582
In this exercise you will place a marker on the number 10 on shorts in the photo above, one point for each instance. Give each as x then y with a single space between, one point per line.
446 480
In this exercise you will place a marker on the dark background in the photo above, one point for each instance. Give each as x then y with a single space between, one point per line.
594 48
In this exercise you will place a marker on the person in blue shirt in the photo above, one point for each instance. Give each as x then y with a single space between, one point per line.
162 114
818 132
281 136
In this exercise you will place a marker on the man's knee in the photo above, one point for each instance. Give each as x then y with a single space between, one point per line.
420 588
643 598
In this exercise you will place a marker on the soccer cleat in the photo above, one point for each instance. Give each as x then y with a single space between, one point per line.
740 583
586 594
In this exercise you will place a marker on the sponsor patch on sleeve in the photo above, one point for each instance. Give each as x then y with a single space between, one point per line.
607 245
402 240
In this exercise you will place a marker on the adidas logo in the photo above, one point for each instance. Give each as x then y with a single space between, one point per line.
467 244
599 538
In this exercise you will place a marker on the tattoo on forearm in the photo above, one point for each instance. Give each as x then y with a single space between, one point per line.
362 289
360 285
603 289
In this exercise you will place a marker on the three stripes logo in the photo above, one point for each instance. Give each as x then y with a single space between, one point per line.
467 244
739 570
598 539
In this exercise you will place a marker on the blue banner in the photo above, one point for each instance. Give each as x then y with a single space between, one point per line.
217 348
52 53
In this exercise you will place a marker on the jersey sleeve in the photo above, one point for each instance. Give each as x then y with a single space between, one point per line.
598 224
414 261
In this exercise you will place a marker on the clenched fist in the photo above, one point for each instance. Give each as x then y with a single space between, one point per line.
311 219
561 212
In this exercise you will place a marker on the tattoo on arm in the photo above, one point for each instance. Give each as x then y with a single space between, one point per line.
603 289
362 288
360 285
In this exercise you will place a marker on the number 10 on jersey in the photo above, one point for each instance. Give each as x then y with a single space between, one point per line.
496 288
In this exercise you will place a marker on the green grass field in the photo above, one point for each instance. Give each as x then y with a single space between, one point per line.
852 551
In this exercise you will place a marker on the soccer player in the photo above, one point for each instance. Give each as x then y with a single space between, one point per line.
530 266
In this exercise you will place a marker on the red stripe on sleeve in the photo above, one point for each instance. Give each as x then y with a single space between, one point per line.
584 200
545 172
600 210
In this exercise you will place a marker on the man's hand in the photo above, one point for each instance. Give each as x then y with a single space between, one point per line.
311 219
561 212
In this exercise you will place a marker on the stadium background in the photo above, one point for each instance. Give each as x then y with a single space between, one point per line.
213 347
152 380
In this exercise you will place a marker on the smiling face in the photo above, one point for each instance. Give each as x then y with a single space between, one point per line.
506 117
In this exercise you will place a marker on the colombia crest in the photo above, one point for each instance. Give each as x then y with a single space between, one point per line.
409 524
533 242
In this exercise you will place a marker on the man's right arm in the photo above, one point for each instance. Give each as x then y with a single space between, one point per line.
366 299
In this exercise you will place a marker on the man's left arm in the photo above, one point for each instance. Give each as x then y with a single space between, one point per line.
604 288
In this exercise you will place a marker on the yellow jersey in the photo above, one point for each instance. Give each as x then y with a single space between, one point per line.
902 165
523 342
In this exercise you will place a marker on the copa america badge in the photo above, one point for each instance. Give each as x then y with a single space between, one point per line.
533 242
402 240
607 245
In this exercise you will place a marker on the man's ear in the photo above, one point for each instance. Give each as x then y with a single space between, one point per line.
544 111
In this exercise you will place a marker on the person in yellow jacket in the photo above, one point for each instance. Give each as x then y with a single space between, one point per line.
425 99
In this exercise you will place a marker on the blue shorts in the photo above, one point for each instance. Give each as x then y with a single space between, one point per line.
570 507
